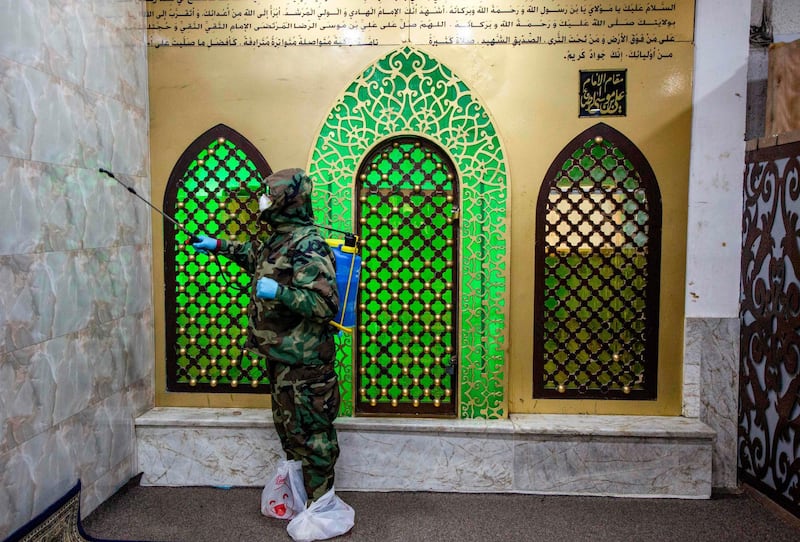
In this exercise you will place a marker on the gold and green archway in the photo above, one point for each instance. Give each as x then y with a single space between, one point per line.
408 92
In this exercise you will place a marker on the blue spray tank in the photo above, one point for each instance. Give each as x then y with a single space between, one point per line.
348 273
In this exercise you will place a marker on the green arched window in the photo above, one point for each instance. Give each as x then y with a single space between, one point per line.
213 189
408 216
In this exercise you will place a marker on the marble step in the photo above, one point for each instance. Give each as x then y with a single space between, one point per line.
632 456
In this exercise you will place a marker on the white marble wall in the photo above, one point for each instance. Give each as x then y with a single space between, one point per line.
714 240
641 456
711 387
76 322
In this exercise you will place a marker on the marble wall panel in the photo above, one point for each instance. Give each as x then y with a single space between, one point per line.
95 493
561 454
720 378
69 34
94 445
711 387
20 218
24 28
121 133
32 476
62 206
20 87
83 42
216 453
76 321
51 208
436 461
65 122
692 362
177 456
27 302
119 35
56 121
57 293
106 431
27 400
109 214
16 499
134 345
618 467
48 383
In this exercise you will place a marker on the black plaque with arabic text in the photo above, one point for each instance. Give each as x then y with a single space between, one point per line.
603 93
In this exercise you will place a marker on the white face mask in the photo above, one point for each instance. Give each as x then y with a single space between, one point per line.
264 202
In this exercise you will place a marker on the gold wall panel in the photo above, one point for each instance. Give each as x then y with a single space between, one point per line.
279 94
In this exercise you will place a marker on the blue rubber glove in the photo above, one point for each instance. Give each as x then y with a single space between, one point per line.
266 288
205 244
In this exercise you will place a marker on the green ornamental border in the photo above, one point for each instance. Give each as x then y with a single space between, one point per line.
408 92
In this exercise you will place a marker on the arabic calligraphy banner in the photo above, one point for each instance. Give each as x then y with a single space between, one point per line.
594 30
603 93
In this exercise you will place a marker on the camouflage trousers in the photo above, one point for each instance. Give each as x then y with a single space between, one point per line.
305 401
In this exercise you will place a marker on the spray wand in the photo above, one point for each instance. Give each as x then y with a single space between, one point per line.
192 238
350 238
350 244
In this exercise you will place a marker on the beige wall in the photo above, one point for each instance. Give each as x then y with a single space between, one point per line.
279 97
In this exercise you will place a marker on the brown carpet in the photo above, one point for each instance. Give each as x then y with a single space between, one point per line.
232 515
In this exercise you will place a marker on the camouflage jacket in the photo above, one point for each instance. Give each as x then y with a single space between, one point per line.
292 328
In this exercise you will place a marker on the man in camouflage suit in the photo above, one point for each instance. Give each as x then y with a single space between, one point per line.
294 297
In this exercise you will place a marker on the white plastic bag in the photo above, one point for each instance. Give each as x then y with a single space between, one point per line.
284 496
327 517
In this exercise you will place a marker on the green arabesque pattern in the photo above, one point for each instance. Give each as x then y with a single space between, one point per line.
408 92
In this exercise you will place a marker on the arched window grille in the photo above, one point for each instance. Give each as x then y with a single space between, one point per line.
213 190
407 340
598 244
